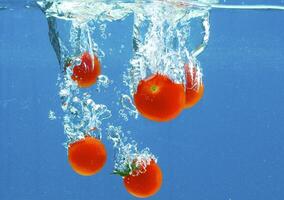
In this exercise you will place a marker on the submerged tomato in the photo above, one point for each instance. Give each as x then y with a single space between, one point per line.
87 156
159 98
194 86
87 72
146 183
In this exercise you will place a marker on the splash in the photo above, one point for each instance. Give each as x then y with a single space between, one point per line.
167 36
71 35
86 10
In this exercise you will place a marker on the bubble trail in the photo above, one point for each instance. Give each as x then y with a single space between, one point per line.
127 155
83 116
165 39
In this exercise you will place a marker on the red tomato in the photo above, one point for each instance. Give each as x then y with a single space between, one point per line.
159 98
144 184
87 72
87 156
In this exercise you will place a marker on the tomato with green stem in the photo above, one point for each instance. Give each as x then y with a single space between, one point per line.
158 98
142 181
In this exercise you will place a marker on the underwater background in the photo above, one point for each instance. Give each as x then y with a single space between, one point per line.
230 146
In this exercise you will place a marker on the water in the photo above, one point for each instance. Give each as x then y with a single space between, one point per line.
227 147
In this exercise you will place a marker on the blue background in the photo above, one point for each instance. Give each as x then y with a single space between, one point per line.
228 147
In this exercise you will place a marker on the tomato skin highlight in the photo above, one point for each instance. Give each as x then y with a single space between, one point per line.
159 99
146 183
194 90
87 156
87 72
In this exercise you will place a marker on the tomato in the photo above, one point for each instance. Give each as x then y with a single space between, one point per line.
87 156
159 98
194 86
87 72
146 182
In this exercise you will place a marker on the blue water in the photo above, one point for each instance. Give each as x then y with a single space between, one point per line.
228 147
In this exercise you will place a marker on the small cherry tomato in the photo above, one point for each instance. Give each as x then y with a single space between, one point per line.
144 183
87 156
87 72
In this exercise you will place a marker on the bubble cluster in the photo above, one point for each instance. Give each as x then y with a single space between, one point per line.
128 155
82 116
